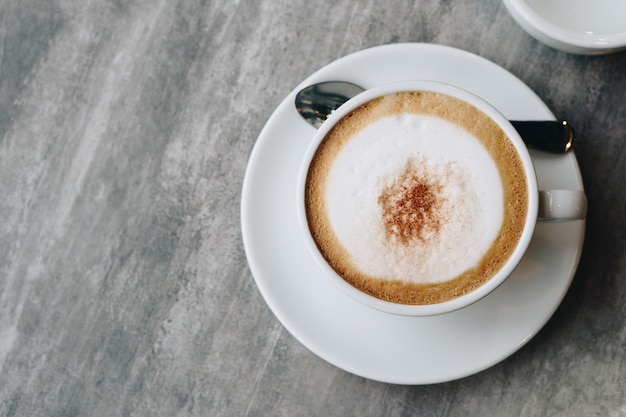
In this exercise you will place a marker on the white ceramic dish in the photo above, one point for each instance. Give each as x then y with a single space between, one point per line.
575 26
380 346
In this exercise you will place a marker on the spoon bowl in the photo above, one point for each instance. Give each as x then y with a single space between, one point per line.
316 102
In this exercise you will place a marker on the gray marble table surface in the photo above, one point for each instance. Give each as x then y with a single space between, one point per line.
125 130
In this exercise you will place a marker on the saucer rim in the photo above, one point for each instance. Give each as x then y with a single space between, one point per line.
562 38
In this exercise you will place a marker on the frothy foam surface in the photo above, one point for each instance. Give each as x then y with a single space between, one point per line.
400 206
416 198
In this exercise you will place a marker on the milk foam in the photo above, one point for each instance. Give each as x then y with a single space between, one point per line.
469 193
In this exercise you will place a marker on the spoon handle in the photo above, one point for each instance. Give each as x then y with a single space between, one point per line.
546 135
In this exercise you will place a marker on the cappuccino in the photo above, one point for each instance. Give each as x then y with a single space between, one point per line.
416 198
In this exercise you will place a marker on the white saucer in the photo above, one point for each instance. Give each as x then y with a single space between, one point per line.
379 346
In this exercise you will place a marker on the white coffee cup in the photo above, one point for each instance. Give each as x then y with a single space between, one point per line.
547 204
575 26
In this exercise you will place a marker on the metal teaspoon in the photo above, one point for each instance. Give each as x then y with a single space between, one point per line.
316 102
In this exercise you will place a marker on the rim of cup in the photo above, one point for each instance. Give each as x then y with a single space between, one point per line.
456 303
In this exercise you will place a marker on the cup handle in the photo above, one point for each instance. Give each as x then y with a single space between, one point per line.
555 205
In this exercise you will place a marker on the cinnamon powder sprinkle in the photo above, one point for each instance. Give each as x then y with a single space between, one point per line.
411 207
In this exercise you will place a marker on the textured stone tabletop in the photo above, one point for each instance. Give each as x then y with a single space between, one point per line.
125 130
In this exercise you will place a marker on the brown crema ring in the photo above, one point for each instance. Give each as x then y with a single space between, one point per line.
478 124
